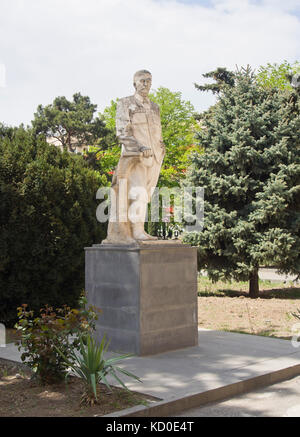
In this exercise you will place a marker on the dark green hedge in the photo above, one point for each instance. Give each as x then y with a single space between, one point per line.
47 217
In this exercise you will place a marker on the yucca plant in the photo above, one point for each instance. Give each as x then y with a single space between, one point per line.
297 315
90 365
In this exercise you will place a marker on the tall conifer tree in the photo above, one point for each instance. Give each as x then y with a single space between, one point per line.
250 172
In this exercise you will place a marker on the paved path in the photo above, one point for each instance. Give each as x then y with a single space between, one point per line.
271 275
221 358
223 362
278 400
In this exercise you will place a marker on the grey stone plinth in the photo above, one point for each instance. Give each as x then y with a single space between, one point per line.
147 294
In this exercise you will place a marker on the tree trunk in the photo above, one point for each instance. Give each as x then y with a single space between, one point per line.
253 284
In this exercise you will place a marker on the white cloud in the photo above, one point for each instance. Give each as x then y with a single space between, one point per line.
58 47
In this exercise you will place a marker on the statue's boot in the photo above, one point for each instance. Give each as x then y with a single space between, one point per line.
118 233
139 233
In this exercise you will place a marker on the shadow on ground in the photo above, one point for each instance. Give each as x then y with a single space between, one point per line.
274 293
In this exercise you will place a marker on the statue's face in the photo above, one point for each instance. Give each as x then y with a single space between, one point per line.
143 84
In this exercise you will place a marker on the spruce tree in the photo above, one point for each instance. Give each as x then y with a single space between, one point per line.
250 171
221 76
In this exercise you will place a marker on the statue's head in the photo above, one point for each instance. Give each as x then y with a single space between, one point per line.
142 81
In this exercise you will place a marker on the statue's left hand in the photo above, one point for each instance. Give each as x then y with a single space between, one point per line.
146 152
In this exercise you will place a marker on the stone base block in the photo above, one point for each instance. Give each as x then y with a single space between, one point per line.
147 294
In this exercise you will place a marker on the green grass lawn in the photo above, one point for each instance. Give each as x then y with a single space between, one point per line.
268 289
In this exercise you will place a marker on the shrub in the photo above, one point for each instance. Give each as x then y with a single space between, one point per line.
47 216
63 327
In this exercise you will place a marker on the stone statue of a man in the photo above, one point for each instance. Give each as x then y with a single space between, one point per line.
138 129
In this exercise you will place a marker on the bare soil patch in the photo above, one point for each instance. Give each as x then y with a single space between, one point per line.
227 307
22 397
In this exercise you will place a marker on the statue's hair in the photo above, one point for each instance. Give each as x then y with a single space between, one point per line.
139 73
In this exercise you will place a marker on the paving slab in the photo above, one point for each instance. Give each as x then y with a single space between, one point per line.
222 365
278 400
10 352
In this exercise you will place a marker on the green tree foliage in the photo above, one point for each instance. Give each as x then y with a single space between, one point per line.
179 128
72 123
277 75
47 217
106 154
250 172
221 77
6 131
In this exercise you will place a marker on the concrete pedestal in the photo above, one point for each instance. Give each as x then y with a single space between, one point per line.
147 294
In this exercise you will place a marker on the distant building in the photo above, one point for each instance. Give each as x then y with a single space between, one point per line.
79 149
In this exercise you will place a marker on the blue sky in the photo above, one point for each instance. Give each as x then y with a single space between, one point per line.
294 9
95 46
211 3
206 3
